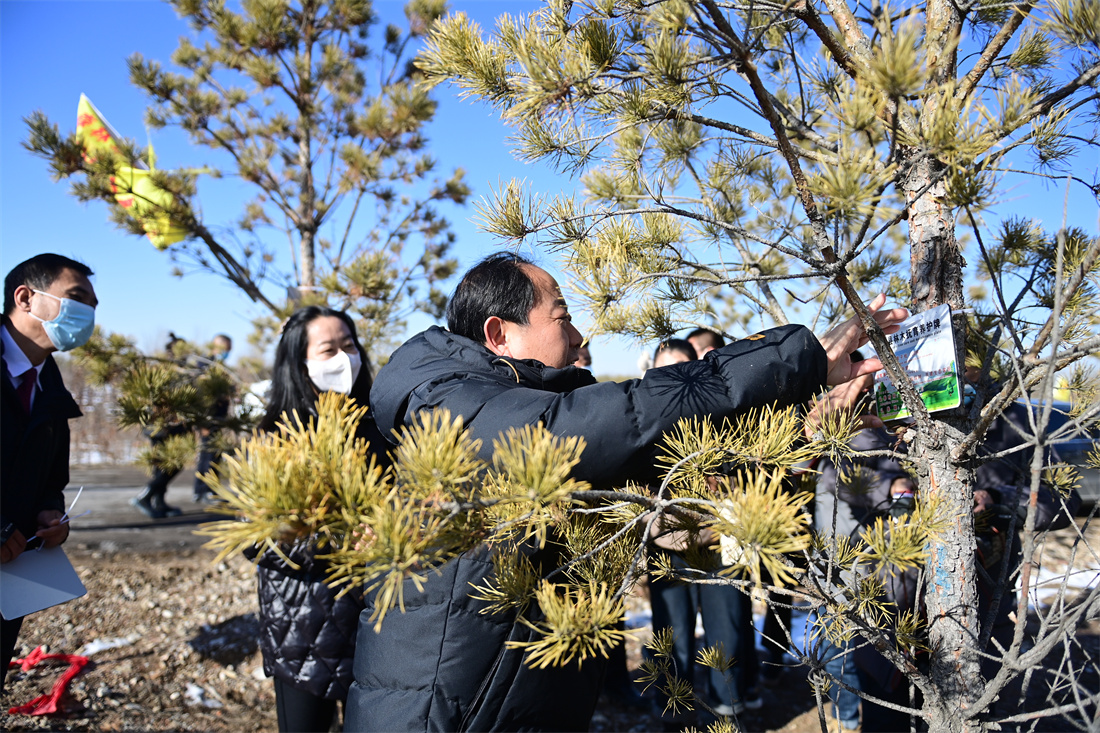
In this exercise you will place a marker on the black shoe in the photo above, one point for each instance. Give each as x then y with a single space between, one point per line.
162 506
144 505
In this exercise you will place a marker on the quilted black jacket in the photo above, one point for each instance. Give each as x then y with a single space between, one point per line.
307 634
442 666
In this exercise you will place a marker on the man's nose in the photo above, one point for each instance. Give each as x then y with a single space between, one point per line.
575 337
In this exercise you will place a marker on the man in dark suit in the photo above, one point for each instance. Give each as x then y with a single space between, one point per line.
49 305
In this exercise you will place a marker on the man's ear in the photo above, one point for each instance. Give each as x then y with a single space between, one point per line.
496 335
22 298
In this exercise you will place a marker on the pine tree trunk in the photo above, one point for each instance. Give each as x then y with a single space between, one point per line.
951 598
951 588
307 215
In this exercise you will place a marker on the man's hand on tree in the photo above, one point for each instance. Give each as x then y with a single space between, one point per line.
13 547
840 342
51 530
844 397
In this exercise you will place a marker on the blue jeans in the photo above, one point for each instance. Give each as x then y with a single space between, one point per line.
842 667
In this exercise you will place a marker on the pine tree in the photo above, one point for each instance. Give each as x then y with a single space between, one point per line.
327 134
792 157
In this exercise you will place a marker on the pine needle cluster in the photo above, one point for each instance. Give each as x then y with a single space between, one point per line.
380 529
767 522
295 484
660 670
169 396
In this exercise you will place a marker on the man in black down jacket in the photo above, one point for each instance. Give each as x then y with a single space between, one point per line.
41 297
441 665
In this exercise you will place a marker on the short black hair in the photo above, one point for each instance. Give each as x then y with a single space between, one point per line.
709 337
680 346
39 273
496 286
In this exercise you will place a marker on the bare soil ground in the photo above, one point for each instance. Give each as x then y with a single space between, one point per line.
181 624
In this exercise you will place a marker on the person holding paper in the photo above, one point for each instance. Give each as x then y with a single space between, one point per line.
49 305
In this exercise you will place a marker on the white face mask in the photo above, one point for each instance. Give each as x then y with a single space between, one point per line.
336 374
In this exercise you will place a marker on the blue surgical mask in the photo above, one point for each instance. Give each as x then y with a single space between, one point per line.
73 324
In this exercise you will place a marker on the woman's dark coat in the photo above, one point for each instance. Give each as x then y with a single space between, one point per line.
307 634
443 666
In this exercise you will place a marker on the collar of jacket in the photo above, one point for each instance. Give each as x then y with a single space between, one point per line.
474 357
535 374
53 400
436 356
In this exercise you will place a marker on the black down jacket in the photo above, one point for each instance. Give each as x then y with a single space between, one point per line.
307 634
441 666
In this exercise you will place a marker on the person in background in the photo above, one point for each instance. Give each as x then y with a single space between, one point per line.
777 619
220 348
49 305
849 496
674 351
584 358
307 634
703 340
726 610
151 501
1002 493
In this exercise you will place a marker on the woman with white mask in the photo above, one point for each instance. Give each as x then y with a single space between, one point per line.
307 634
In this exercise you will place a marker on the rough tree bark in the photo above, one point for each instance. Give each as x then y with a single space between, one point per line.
951 595
307 223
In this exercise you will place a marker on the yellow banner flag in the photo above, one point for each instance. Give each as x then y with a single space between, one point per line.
143 199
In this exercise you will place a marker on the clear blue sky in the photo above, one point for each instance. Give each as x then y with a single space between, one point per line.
51 51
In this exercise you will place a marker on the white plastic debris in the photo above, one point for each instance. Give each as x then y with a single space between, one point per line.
197 696
99 645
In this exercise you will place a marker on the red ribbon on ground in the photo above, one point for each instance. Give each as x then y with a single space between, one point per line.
47 704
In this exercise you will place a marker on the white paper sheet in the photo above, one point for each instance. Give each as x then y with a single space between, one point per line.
36 580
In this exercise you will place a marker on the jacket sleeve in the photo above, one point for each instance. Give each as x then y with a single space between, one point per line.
622 422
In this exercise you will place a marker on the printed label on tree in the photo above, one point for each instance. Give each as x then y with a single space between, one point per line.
925 346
